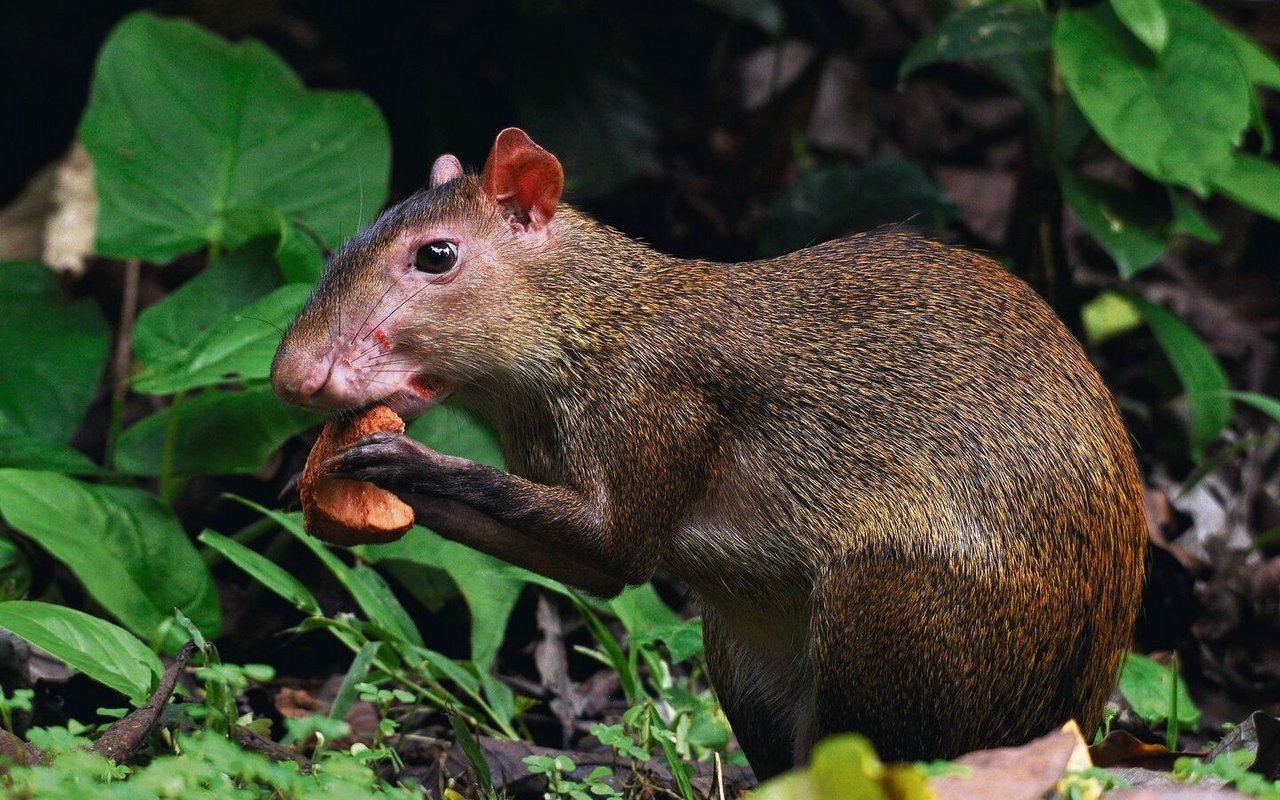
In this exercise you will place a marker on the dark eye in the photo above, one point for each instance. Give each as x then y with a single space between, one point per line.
436 257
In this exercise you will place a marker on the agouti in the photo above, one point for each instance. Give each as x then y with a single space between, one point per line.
902 495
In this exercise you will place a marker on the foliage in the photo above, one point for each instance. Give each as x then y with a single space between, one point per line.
1164 86
226 139
1157 693
205 765
560 787
101 650
1230 767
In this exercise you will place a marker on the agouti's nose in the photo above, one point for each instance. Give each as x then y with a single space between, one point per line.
296 378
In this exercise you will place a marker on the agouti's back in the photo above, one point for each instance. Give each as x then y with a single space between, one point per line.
917 470
901 492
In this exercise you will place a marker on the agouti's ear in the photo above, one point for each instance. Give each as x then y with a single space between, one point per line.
445 169
524 178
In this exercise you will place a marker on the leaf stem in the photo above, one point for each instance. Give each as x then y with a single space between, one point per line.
170 485
121 358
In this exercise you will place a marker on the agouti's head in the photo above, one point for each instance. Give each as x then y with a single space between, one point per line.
429 296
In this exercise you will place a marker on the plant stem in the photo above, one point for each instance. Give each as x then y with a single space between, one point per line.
169 484
121 357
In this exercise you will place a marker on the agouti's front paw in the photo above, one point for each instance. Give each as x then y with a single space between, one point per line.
390 460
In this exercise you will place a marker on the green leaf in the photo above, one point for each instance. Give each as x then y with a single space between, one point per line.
184 127
1252 182
1128 228
1146 20
264 570
1146 684
980 33
846 766
104 652
1201 376
641 611
28 452
15 570
1108 315
1179 119
828 202
237 349
489 587
128 549
375 593
170 329
683 638
1260 66
218 433
378 605
298 254
707 730
1187 220
356 674
56 354
457 432
1267 405
764 14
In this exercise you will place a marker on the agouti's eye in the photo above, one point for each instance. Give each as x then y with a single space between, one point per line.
436 257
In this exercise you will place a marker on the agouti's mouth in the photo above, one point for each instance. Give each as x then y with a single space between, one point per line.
421 394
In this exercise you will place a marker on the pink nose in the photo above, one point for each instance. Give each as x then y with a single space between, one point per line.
298 377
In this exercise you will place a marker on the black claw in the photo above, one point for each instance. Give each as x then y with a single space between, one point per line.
387 459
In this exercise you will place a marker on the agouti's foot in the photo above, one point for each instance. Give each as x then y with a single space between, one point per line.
392 461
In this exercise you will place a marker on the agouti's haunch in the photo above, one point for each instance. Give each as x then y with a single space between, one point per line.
900 491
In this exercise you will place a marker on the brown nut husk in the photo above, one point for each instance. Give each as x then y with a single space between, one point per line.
346 512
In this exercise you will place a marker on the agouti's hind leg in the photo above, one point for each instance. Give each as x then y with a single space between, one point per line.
941 635
764 731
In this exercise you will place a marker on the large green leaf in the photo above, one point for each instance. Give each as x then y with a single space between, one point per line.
1201 376
296 251
1179 118
126 547
1252 182
55 352
828 202
218 432
1129 228
184 127
103 651
980 33
171 329
237 349
29 452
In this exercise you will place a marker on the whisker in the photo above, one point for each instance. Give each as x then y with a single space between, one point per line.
374 307
415 294
267 322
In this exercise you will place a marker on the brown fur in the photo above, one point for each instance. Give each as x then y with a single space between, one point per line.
902 493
